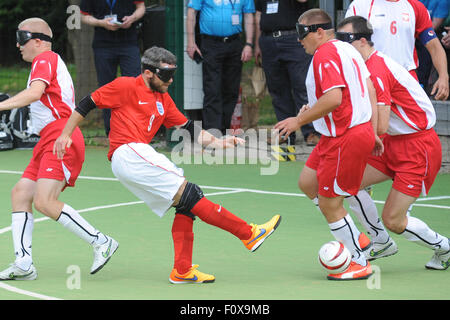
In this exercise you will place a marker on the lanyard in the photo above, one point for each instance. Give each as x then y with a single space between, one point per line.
232 4
111 4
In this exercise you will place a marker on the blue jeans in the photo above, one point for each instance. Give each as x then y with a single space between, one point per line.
106 62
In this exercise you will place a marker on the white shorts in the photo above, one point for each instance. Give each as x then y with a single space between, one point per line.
149 175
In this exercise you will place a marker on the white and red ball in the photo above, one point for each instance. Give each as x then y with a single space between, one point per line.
334 257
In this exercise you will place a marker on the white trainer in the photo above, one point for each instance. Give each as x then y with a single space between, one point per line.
439 261
102 254
381 250
13 272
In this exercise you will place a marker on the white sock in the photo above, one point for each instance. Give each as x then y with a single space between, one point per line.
22 232
345 231
366 212
418 231
72 220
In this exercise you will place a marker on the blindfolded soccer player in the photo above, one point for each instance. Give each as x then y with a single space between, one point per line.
139 106
51 98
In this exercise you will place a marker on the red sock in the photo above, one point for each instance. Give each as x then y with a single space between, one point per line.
218 216
183 240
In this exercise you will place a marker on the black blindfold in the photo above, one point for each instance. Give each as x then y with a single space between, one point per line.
163 73
303 30
350 37
23 36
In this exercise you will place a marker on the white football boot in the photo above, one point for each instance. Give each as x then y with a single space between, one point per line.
102 253
440 260
13 272
380 250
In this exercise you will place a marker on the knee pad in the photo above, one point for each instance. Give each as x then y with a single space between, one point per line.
191 195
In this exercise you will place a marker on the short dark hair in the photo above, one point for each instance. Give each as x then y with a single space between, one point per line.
359 25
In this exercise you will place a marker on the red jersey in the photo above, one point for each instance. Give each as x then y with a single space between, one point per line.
137 112
58 100
412 110
337 64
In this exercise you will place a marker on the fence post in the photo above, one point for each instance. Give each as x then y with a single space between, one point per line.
175 44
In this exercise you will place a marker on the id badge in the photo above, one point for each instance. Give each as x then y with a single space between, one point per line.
113 16
272 7
235 19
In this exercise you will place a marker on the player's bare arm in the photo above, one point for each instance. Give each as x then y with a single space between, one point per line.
384 112
64 141
204 138
326 104
379 147
439 59
25 97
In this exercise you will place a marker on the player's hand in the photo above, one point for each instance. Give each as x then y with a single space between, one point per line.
61 145
304 108
287 126
379 147
226 142
440 88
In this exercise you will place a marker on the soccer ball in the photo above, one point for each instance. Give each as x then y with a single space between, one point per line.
334 257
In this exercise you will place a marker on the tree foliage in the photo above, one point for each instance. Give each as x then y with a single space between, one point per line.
12 12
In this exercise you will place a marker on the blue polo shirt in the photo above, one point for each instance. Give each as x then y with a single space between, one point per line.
437 8
215 15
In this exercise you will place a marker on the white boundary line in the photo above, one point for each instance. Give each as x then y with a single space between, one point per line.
26 293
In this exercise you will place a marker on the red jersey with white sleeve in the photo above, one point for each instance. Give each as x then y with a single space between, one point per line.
337 64
411 110
58 99
396 25
137 112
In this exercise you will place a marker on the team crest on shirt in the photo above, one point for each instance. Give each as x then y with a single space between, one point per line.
159 107
218 2
405 16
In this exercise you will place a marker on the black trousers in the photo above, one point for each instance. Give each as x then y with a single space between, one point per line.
286 64
222 69
107 60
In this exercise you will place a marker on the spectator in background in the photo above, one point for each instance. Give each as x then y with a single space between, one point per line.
396 25
223 54
438 10
446 40
283 59
115 39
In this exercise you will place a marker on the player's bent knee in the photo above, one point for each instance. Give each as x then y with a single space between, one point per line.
393 225
45 206
191 195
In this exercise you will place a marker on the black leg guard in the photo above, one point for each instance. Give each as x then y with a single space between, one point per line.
191 195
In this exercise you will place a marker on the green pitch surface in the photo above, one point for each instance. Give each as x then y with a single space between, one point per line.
284 268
